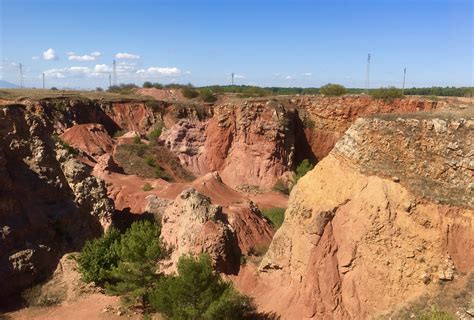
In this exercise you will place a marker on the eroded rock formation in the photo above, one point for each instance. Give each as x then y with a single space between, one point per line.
48 202
389 210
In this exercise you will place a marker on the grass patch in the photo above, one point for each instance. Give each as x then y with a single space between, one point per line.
151 162
147 187
275 215
281 187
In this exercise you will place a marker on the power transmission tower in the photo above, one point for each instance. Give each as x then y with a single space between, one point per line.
404 77
110 80
21 75
232 78
367 75
115 72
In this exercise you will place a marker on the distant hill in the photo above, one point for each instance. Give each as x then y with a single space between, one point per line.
6 84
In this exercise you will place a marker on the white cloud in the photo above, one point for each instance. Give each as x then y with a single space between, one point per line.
307 74
102 68
68 72
239 76
87 57
159 71
50 55
124 55
288 77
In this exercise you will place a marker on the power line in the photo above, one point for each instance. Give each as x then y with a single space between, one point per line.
21 76
367 75
115 72
404 76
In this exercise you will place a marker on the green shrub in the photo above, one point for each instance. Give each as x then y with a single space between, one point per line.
207 95
158 173
147 84
197 292
154 105
332 89
139 251
123 88
137 139
155 134
149 160
70 149
434 314
189 92
387 94
275 215
157 85
98 257
147 187
280 186
304 167
119 133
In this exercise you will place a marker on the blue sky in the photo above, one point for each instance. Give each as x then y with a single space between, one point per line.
268 43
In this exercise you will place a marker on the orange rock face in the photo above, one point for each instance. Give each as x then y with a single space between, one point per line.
364 222
92 139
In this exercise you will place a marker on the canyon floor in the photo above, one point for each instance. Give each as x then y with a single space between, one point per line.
388 207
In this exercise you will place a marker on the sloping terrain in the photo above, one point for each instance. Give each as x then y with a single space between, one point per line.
388 207
372 218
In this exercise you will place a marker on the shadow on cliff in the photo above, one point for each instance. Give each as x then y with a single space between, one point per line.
40 223
303 148
81 112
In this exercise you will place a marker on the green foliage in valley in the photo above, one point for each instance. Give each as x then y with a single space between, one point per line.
303 168
99 257
139 251
275 215
197 292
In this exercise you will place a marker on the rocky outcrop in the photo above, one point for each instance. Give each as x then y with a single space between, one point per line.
247 142
186 139
194 225
211 217
325 119
367 220
92 139
48 203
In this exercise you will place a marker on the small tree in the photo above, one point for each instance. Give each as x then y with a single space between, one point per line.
207 95
197 292
332 89
189 92
147 84
387 94
139 251
99 257
303 168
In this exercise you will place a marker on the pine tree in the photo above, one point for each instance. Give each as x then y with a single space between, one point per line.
139 251
99 257
198 293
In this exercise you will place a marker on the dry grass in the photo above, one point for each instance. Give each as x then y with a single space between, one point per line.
39 94
151 162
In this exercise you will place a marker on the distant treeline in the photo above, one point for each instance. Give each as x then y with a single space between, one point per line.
264 91
442 91
254 91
